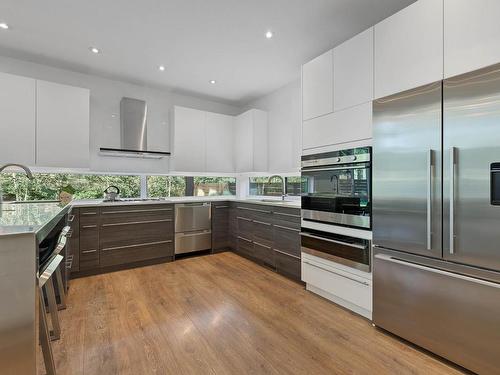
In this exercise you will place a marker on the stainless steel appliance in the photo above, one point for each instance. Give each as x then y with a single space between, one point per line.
193 227
349 251
338 187
436 218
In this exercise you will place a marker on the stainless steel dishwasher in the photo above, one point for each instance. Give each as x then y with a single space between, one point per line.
193 227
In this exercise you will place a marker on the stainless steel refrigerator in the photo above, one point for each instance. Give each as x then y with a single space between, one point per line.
436 218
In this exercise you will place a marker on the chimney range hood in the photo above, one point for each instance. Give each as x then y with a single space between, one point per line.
133 132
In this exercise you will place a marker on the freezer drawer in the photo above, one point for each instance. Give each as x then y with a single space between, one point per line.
450 314
193 241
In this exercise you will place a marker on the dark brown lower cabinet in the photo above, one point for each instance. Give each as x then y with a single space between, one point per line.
220 227
288 265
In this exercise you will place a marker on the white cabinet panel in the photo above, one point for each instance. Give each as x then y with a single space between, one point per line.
189 148
409 48
219 143
353 71
62 125
317 86
17 119
260 141
345 126
250 142
471 35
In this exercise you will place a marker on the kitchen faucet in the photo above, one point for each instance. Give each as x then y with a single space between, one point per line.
26 169
283 185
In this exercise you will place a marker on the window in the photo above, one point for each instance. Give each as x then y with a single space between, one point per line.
183 186
207 186
166 186
47 186
262 186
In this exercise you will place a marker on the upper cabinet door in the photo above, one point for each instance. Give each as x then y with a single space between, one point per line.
353 71
219 143
471 35
243 142
317 86
17 119
189 149
62 123
409 48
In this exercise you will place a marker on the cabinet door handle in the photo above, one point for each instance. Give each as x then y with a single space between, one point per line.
254 209
89 226
262 245
136 222
285 214
134 211
287 228
262 222
71 218
243 218
287 254
88 213
136 245
221 206
244 239
89 251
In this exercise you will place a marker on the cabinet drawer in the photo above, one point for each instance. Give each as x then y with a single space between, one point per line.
245 227
244 246
141 213
89 259
263 232
131 233
89 237
134 253
287 265
264 253
88 215
287 217
287 239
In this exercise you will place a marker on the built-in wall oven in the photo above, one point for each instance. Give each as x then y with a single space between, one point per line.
337 188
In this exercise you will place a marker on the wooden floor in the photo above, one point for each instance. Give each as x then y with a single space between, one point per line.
220 314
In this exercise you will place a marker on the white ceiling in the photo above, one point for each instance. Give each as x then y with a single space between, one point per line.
197 40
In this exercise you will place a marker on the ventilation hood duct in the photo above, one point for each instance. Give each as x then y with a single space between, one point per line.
133 132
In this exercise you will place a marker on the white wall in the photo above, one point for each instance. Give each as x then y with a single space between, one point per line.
284 127
105 98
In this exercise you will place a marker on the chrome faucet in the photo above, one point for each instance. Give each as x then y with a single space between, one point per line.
26 169
283 185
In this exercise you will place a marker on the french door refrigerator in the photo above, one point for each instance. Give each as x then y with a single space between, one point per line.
436 218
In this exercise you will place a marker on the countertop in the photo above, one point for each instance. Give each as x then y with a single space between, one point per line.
37 218
268 202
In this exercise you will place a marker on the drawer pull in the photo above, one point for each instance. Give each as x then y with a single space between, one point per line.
243 218
221 206
244 239
137 222
134 211
285 214
262 222
136 245
338 274
71 218
289 255
88 213
287 228
89 251
362 247
262 245
69 233
253 209
89 226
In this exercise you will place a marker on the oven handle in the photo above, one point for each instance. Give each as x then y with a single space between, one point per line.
334 168
333 241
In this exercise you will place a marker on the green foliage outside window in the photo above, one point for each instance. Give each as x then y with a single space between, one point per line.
166 186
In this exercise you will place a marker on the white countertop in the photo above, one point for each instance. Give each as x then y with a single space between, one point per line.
18 218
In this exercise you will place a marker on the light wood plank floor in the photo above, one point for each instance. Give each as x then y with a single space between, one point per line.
220 314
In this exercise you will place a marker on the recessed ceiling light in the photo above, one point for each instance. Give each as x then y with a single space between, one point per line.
4 26
269 34
161 68
213 81
94 50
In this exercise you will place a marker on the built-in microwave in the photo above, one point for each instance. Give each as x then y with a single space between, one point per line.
338 188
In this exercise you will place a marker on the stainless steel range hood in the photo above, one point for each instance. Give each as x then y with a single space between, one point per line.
133 132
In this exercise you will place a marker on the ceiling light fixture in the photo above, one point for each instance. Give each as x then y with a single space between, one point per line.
161 68
94 50
269 34
213 81
4 26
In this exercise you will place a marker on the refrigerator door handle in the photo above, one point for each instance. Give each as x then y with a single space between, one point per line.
430 175
452 199
389 258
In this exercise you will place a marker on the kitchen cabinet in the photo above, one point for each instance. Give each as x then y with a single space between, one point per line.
17 119
62 125
219 143
409 48
349 125
220 227
317 86
353 71
189 135
74 240
250 141
286 241
88 238
471 35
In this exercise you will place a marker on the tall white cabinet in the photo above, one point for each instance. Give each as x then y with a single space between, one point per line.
409 48
471 35
219 144
251 142
62 125
17 119
317 86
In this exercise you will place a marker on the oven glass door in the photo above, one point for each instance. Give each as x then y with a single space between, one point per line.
338 194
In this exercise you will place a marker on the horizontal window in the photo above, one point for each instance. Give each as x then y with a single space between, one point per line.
294 186
48 186
208 186
186 186
166 186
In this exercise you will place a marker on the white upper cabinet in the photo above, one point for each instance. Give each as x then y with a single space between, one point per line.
353 71
471 35
409 47
219 143
317 86
17 119
250 142
189 140
62 125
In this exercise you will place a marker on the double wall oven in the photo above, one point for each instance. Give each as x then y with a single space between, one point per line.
337 193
